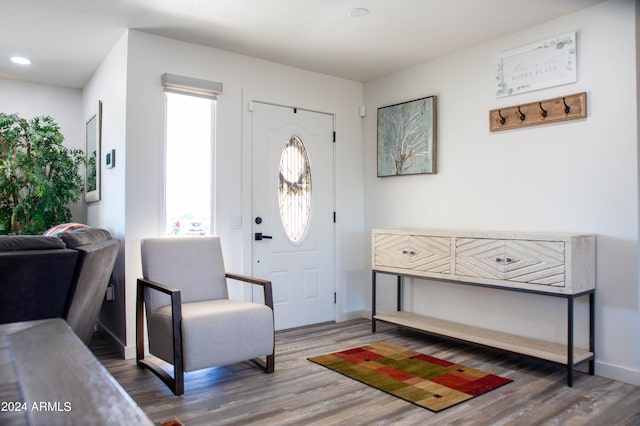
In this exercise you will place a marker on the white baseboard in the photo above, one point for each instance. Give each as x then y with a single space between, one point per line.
113 340
616 372
126 352
129 352
346 316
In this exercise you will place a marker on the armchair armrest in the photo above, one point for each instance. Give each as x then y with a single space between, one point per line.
266 286
143 282
177 383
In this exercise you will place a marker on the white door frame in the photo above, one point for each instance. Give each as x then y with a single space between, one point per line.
247 161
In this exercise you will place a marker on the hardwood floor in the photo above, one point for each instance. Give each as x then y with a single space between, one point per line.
303 393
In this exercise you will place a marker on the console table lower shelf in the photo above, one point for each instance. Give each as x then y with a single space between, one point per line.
549 351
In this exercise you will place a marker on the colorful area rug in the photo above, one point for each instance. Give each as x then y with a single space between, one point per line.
429 382
172 422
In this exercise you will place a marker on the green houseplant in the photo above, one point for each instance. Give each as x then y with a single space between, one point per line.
39 176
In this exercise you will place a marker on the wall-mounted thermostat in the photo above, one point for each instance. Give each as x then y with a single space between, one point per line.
110 159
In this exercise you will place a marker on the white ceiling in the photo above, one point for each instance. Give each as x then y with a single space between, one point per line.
67 39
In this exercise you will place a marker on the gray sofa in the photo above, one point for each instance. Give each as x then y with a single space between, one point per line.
56 277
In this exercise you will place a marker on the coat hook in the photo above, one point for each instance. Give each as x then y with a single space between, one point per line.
567 108
522 116
502 119
544 111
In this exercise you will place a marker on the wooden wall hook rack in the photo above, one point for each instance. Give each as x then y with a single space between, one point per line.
553 110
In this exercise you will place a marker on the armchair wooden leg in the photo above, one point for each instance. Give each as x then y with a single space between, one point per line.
176 383
271 363
267 365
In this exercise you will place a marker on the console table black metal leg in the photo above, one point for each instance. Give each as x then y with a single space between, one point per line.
592 332
373 302
570 363
399 293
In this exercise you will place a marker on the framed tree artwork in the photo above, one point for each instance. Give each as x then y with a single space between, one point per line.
407 138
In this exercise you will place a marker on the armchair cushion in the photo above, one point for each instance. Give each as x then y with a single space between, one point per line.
242 330
197 269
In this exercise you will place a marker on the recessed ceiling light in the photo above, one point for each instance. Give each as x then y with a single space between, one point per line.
20 60
358 12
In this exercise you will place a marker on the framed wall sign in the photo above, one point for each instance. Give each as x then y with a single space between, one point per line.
407 138
547 63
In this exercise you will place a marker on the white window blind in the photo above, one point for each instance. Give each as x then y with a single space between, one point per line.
174 83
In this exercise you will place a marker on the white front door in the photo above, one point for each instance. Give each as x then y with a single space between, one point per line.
292 211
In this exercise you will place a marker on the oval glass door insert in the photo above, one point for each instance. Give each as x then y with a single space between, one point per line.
294 189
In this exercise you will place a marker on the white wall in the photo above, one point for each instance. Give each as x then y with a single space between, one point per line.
148 57
30 100
109 85
577 176
638 133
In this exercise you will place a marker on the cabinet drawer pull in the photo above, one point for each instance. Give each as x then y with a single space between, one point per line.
507 260
410 253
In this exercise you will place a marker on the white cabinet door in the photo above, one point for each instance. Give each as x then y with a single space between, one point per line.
430 254
413 252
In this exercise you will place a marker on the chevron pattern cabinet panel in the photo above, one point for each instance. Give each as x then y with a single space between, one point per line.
388 250
432 254
413 252
539 262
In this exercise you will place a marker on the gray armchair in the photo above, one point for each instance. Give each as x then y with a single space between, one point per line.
191 321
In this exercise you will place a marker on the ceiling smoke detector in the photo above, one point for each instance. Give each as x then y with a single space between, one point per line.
358 12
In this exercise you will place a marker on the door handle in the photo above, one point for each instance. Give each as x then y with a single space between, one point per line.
259 236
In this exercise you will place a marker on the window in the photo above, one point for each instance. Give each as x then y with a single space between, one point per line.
188 164
294 189
189 132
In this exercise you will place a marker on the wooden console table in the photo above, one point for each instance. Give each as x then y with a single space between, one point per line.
552 265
